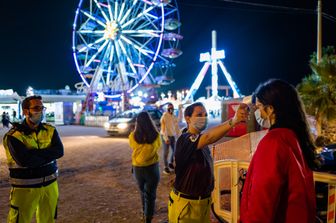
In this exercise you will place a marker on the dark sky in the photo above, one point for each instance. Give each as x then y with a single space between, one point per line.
259 42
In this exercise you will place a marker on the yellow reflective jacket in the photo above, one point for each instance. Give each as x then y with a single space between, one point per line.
31 154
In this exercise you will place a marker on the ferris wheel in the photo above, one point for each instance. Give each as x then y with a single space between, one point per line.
119 45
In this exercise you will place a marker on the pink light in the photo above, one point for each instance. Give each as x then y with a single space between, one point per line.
138 65
148 2
102 4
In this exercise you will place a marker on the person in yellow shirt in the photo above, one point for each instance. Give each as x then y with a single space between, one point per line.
145 143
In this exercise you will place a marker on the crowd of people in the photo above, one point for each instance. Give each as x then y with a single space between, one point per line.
279 185
6 119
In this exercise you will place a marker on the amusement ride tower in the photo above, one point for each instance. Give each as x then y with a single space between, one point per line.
212 59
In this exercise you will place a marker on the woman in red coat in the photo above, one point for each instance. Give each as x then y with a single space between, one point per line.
279 186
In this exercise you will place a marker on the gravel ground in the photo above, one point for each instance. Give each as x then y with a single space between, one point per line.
95 183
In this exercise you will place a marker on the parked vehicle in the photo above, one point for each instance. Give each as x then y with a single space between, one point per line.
123 123
328 158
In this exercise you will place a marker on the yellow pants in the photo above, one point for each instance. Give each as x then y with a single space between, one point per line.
181 210
24 202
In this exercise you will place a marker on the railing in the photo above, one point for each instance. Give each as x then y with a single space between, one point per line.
226 195
227 188
329 180
232 160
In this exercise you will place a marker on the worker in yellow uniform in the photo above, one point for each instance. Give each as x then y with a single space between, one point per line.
32 148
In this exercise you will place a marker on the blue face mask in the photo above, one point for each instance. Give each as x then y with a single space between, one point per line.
199 123
36 118
265 123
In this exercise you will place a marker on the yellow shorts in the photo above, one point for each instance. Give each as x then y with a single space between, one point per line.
182 210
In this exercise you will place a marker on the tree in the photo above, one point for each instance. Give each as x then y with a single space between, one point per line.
318 90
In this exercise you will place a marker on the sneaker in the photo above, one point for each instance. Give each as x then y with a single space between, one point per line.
166 170
171 166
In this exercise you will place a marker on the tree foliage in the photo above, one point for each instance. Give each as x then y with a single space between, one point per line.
318 90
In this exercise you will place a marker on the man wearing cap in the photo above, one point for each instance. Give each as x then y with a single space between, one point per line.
32 148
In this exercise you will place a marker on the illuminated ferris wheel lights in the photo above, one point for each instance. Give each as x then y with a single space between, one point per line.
109 10
102 4
172 36
153 16
115 10
81 48
139 65
111 56
96 54
172 24
127 13
91 31
93 18
111 31
148 2
116 43
121 11
102 11
149 33
171 53
136 46
137 17
159 2
127 57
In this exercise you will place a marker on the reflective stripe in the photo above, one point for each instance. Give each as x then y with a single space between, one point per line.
17 166
27 182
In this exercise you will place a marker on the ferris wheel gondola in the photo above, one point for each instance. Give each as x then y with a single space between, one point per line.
117 45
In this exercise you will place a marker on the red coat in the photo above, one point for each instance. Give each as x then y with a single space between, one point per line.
279 186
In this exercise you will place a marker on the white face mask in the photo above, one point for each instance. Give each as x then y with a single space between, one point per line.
265 123
199 123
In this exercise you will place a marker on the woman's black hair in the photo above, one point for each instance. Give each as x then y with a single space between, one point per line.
145 131
289 113
190 109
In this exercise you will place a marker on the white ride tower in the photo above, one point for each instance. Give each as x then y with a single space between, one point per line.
212 59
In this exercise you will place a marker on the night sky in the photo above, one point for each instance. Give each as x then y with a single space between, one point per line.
260 42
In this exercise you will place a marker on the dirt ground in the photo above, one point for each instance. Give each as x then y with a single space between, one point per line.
95 183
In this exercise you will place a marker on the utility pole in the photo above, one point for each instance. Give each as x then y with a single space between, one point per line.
319 31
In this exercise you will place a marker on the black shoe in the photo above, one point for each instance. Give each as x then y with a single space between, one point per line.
148 219
171 166
166 170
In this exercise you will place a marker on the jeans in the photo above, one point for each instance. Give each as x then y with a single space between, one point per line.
148 178
166 150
